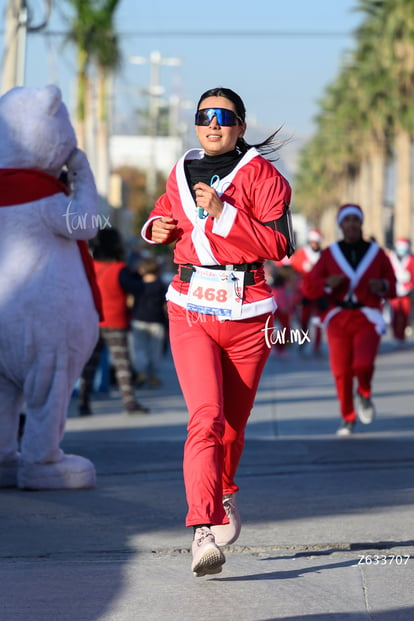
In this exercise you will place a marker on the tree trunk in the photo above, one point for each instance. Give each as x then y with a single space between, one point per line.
102 136
365 198
14 55
378 171
402 206
81 103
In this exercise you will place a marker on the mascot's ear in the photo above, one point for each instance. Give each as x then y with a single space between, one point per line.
51 98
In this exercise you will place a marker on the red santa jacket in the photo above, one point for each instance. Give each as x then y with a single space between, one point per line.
253 193
404 273
302 262
374 264
114 299
303 259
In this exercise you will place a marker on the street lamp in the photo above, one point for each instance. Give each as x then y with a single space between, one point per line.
155 90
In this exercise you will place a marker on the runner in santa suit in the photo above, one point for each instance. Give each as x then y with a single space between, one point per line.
402 262
355 275
226 208
302 261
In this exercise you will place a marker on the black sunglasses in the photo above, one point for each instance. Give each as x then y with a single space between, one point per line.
226 118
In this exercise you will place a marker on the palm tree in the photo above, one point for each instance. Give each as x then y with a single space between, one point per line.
363 114
398 23
106 56
373 86
92 31
329 171
82 27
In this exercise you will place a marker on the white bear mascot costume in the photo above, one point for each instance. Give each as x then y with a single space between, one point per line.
48 314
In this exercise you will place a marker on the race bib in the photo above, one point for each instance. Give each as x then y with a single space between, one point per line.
216 292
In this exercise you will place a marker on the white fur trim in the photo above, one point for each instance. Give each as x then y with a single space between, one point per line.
354 275
198 236
374 315
314 236
348 211
254 309
145 229
223 225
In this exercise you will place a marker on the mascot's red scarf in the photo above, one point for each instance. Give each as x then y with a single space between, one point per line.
24 185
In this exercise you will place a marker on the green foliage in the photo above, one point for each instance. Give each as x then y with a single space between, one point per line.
369 99
92 31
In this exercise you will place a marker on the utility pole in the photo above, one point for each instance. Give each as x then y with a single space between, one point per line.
15 42
17 26
154 91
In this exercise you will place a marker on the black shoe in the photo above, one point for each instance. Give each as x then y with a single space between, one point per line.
140 380
136 408
85 410
22 422
154 382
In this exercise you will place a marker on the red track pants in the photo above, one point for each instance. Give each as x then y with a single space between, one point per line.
353 346
219 365
401 311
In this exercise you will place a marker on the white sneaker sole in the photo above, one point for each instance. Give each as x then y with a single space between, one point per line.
210 562
344 433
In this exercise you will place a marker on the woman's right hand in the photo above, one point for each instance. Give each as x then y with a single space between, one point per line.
162 229
335 280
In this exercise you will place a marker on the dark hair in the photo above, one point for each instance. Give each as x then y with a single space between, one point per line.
268 146
108 246
149 266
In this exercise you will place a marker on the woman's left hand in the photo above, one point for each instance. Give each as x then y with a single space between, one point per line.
377 286
208 199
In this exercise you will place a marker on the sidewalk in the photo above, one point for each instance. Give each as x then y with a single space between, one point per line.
327 521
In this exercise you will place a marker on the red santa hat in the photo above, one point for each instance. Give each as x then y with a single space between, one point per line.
314 236
349 210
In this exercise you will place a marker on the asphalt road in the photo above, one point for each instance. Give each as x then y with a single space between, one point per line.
327 522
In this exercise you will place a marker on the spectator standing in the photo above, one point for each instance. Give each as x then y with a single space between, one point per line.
115 281
148 323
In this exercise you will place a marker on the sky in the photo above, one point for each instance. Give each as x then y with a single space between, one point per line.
279 55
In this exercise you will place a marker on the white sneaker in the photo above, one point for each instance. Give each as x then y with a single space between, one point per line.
346 429
207 556
225 534
365 409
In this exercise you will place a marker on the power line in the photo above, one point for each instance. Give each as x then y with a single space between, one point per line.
235 33
219 34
